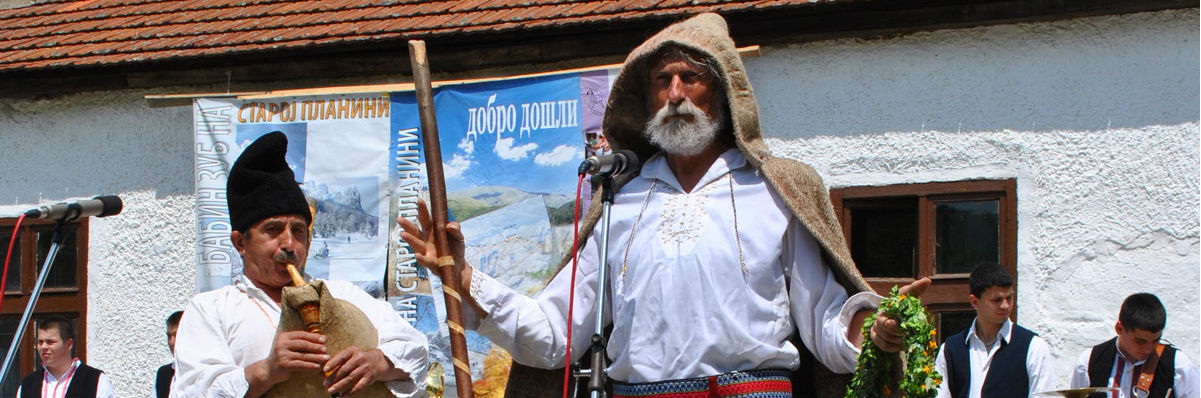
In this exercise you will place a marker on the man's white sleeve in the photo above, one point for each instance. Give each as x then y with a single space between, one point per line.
104 387
820 307
534 330
1039 368
1188 381
204 365
940 366
1080 371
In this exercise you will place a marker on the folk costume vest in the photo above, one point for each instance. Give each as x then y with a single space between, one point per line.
1007 375
83 383
1100 365
162 381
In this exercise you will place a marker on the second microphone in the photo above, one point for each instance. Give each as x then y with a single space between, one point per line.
618 162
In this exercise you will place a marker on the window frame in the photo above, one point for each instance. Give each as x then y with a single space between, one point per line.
948 292
70 302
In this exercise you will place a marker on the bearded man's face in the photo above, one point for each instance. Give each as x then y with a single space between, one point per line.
687 105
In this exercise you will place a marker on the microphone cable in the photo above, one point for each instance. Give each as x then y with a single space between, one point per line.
9 256
575 239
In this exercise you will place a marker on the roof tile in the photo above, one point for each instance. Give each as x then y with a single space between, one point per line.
108 32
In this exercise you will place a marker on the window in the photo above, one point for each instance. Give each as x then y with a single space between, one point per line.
898 233
64 293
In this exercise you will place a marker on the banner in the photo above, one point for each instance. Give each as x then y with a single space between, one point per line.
349 239
510 151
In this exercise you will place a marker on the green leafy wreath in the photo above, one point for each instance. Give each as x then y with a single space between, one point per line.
872 375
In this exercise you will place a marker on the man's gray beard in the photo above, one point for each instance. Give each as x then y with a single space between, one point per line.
679 136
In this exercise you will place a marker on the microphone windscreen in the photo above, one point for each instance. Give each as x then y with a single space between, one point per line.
112 205
632 163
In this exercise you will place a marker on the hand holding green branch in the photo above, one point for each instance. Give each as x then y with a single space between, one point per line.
872 375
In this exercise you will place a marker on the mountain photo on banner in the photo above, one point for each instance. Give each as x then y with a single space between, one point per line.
516 147
347 165
510 152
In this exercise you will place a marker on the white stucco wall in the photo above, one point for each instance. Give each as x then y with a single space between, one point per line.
141 262
1097 118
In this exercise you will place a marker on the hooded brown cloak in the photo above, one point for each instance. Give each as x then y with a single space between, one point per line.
796 183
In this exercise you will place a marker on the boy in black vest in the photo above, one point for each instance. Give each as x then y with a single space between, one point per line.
61 374
994 357
166 373
1135 361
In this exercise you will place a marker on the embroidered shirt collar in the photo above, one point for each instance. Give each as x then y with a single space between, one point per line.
1002 333
243 284
1128 360
50 377
656 168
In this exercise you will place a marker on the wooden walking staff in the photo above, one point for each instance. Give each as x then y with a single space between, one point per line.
446 263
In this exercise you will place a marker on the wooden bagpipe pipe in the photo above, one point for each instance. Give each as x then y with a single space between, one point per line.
310 307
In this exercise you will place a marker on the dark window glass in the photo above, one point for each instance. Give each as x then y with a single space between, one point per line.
64 283
952 322
62 272
884 238
8 325
13 285
968 233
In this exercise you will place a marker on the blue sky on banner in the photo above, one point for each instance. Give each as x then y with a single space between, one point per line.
297 134
520 133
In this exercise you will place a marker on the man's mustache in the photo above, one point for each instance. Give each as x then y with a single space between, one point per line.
685 107
286 256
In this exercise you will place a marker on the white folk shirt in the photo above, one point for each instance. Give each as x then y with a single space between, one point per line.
685 307
1040 372
225 330
1187 383
53 387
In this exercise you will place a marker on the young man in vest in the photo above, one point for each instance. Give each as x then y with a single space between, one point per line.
994 357
1135 361
166 373
62 374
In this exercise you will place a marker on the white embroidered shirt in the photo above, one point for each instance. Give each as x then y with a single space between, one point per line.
686 306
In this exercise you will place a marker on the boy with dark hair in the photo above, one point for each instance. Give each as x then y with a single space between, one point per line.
1135 362
61 373
166 373
994 357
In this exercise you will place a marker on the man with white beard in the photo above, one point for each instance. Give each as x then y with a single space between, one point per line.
719 252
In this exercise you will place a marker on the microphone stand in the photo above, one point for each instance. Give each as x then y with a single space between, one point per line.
55 240
596 375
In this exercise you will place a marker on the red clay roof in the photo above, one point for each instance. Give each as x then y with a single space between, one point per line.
85 33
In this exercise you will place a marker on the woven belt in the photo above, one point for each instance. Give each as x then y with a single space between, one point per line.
752 384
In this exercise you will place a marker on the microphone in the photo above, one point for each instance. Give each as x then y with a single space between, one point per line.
618 162
100 206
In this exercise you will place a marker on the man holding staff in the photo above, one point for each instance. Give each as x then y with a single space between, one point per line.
228 342
719 251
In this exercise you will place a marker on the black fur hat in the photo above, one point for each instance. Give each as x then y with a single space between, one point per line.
261 185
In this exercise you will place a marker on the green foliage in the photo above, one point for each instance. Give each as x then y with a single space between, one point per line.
873 374
465 210
564 214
